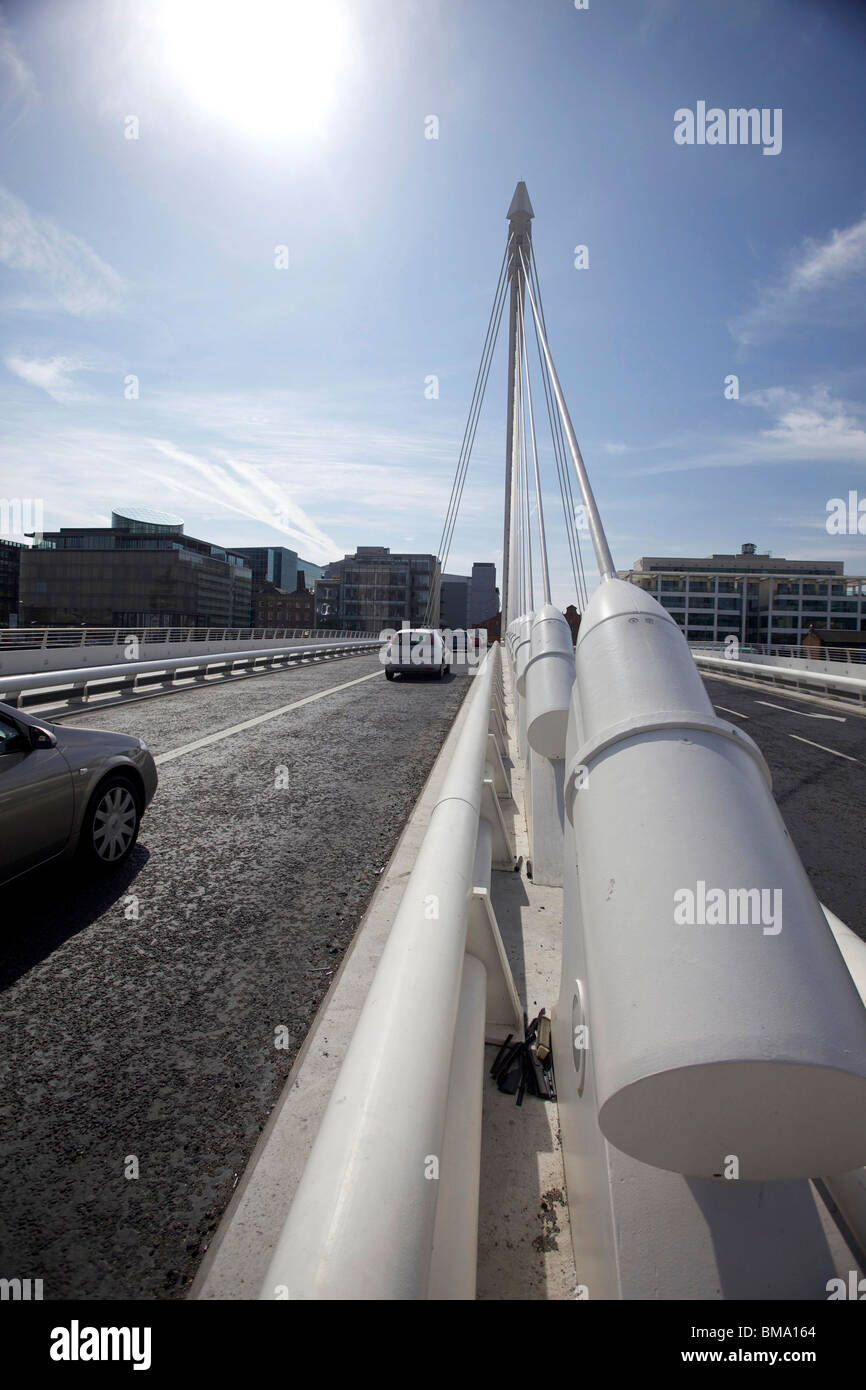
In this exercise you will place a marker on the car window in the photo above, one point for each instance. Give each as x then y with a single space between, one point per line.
11 740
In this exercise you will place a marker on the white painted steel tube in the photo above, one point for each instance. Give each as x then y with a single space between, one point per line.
78 678
549 682
454 1259
848 1190
603 557
362 1219
708 1040
794 674
520 650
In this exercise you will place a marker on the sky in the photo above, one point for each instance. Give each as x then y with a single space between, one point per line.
232 258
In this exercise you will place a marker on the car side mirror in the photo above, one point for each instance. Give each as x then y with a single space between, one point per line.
41 738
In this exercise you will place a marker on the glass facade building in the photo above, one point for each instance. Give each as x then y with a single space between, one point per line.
140 572
373 589
10 565
272 564
757 598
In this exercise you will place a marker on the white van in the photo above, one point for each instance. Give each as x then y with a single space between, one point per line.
418 649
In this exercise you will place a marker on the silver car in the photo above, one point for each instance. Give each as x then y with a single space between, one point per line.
66 791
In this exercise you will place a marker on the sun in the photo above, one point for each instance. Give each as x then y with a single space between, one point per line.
269 67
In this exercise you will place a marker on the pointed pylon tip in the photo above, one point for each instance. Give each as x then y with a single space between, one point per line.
520 202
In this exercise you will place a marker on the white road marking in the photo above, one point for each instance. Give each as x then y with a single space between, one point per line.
259 719
725 710
807 714
824 748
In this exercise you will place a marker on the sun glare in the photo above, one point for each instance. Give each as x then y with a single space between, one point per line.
270 67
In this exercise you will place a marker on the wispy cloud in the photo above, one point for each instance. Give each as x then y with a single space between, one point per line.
817 284
20 84
62 271
806 427
52 375
244 489
811 425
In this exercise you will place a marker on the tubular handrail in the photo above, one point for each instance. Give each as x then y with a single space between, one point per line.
49 638
124 677
850 655
362 1219
853 685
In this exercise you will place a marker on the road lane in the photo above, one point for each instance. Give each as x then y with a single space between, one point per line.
821 791
138 1017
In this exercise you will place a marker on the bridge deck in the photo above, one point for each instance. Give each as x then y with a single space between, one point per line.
153 1035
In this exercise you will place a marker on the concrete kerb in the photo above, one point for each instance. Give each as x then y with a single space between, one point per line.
238 1257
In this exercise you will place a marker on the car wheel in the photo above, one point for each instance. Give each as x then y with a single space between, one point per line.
111 822
389 675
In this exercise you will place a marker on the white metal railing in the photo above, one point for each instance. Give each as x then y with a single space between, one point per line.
849 655
48 638
852 687
87 684
387 1206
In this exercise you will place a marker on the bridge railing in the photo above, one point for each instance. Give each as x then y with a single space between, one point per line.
87 685
27 650
787 671
16 639
850 655
387 1206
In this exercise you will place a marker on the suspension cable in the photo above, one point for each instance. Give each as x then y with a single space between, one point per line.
563 471
469 432
527 516
542 541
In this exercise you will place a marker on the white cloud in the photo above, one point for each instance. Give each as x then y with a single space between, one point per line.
21 82
242 488
817 285
828 262
810 426
65 271
806 427
51 375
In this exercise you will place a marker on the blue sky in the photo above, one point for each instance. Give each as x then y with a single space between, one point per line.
288 405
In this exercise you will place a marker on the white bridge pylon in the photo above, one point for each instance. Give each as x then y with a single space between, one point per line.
742 1038
707 1042
683 1042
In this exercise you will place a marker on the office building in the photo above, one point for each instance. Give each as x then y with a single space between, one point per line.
469 600
483 593
142 571
272 607
760 599
10 568
271 564
454 598
374 589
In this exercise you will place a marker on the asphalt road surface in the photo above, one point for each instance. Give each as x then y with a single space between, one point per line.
816 751
138 1016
